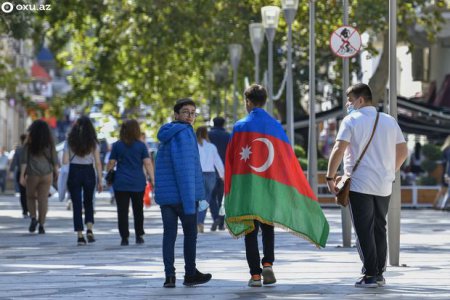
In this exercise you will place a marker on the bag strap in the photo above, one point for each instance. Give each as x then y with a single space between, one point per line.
365 148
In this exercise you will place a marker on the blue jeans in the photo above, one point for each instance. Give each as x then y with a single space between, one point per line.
170 215
81 186
209 181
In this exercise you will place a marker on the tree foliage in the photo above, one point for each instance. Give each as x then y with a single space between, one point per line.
155 51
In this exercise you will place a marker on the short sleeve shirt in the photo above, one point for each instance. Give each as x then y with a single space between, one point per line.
129 175
376 171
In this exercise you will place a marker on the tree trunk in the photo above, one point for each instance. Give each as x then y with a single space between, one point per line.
379 79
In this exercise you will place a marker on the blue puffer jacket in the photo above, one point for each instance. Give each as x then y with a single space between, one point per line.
178 173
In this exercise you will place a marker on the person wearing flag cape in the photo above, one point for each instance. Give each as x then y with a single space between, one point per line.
266 187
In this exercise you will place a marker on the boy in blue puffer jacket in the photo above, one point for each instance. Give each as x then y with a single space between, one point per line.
178 188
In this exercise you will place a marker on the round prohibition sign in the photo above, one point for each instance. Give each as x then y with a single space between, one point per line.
345 41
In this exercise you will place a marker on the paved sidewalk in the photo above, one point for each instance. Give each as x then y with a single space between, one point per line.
51 266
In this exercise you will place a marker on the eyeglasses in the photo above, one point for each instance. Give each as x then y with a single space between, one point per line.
188 113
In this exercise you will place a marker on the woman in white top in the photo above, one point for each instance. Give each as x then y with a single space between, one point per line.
210 161
82 152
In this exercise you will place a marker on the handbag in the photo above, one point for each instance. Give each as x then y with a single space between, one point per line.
110 176
343 182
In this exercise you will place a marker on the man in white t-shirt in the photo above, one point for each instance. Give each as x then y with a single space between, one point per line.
371 184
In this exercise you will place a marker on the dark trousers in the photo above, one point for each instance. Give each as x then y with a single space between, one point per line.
170 215
3 180
123 203
216 201
369 219
252 250
81 185
23 194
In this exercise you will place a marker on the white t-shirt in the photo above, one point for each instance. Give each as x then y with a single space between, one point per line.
210 159
376 171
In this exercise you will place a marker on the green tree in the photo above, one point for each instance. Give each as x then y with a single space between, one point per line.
154 51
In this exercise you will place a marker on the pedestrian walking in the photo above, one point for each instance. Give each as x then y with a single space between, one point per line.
82 153
39 168
371 183
210 162
444 191
265 186
178 188
15 168
220 138
130 157
4 163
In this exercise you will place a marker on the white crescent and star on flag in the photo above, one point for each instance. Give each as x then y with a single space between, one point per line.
247 151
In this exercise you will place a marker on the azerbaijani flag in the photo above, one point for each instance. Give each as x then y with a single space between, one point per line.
264 182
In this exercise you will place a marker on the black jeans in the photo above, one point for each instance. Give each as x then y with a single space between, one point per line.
23 194
216 201
81 186
252 250
123 203
369 219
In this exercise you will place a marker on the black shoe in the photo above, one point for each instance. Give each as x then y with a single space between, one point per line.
41 229
81 241
367 282
170 282
90 236
33 225
124 242
197 278
139 240
215 224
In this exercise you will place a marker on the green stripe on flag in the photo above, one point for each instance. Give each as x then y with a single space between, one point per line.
254 197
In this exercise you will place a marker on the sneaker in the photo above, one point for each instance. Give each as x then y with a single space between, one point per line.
25 215
41 229
367 282
380 280
124 242
69 205
33 225
90 236
139 240
268 275
81 241
200 228
170 282
197 278
255 281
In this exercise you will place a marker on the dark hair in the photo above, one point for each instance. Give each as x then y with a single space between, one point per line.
82 137
183 102
202 134
219 122
256 94
39 137
23 137
130 131
360 90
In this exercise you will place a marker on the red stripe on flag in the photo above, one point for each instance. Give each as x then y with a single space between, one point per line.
265 156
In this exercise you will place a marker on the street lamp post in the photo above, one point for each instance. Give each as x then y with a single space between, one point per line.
312 149
235 56
290 9
257 39
270 16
